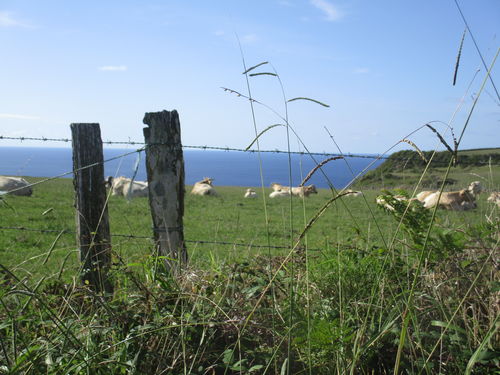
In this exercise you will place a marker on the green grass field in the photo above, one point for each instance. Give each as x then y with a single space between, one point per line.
356 296
208 222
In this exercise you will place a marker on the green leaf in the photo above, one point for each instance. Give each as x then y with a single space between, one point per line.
465 263
480 354
255 368
284 367
438 323
239 366
228 356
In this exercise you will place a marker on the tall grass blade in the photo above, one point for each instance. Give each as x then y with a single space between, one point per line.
458 57
263 74
254 67
453 152
419 152
477 48
310 174
488 75
262 132
475 357
308 99
49 253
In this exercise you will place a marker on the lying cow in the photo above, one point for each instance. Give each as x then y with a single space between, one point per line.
250 193
424 194
494 198
204 187
15 186
126 187
301 191
462 200
475 188
280 194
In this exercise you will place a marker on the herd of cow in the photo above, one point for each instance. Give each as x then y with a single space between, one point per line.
461 200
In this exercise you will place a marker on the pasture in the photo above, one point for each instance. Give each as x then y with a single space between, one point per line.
224 229
246 303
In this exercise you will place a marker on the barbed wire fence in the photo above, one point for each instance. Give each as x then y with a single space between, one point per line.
206 147
142 148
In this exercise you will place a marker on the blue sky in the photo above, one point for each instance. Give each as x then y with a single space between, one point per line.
384 67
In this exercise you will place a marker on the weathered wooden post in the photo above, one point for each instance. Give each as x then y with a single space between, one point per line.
165 169
92 223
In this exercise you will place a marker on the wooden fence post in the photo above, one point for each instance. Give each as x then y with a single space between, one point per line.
165 169
92 223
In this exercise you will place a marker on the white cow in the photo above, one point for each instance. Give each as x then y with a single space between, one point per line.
462 200
250 193
15 186
475 188
301 191
424 194
126 187
279 194
204 187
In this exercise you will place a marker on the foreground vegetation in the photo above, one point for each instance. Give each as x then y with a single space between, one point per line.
364 291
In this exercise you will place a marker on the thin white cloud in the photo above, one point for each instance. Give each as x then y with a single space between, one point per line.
361 71
13 116
7 20
219 33
330 11
113 68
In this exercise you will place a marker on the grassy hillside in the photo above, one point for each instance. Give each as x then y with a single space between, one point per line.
404 169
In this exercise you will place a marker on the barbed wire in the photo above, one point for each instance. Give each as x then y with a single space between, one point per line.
133 236
228 149
204 242
218 148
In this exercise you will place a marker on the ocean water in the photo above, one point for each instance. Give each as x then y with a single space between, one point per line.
227 168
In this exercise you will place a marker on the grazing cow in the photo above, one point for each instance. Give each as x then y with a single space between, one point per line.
495 198
462 200
301 191
126 187
204 187
15 186
250 193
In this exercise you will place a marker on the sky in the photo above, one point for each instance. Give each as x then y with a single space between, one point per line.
385 68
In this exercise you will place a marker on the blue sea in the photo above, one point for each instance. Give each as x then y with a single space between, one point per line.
227 168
